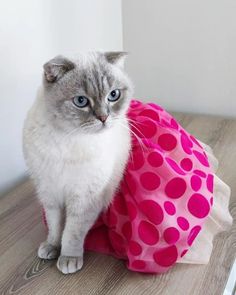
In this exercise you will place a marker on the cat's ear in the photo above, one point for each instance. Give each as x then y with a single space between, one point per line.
116 57
55 68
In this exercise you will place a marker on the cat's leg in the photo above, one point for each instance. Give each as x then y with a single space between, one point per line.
50 249
79 219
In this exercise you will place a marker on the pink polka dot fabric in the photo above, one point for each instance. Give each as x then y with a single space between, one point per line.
163 199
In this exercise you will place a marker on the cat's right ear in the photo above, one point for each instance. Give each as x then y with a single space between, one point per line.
116 57
56 68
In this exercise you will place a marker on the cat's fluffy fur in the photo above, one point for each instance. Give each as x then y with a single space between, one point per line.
74 159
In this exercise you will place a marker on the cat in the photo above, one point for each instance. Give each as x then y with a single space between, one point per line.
76 143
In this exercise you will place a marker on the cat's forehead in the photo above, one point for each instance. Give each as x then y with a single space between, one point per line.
91 63
96 84
94 76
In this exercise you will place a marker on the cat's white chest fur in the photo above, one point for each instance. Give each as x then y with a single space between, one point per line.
64 167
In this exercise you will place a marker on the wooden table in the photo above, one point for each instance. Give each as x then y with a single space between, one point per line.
21 231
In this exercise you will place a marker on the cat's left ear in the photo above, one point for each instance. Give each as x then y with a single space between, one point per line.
116 57
56 68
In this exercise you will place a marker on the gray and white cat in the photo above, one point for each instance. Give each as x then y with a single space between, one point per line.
76 145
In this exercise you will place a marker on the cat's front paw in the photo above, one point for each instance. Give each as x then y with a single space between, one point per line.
69 264
48 251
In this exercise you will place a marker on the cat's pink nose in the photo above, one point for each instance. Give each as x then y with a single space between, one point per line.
102 118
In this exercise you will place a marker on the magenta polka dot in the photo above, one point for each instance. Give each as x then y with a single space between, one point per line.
119 204
195 141
150 181
166 256
134 248
155 159
170 208
183 223
139 264
175 166
152 210
155 106
148 233
137 161
127 230
211 201
186 164
196 182
184 252
188 141
193 234
174 124
185 143
210 183
151 114
175 188
132 211
201 158
198 206
147 129
131 183
167 141
171 124
171 235
200 173
135 103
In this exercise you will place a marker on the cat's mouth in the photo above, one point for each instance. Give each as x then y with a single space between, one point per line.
97 127
103 126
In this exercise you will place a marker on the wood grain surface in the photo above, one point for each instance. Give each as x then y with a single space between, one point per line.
21 231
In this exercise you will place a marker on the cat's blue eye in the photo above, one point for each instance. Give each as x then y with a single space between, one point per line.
80 101
114 95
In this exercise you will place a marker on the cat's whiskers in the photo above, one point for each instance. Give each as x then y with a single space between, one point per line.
142 146
132 125
73 131
138 139
139 123
137 129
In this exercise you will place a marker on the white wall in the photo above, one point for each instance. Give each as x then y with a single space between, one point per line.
183 53
31 32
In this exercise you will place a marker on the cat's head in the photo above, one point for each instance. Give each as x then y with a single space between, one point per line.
89 94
